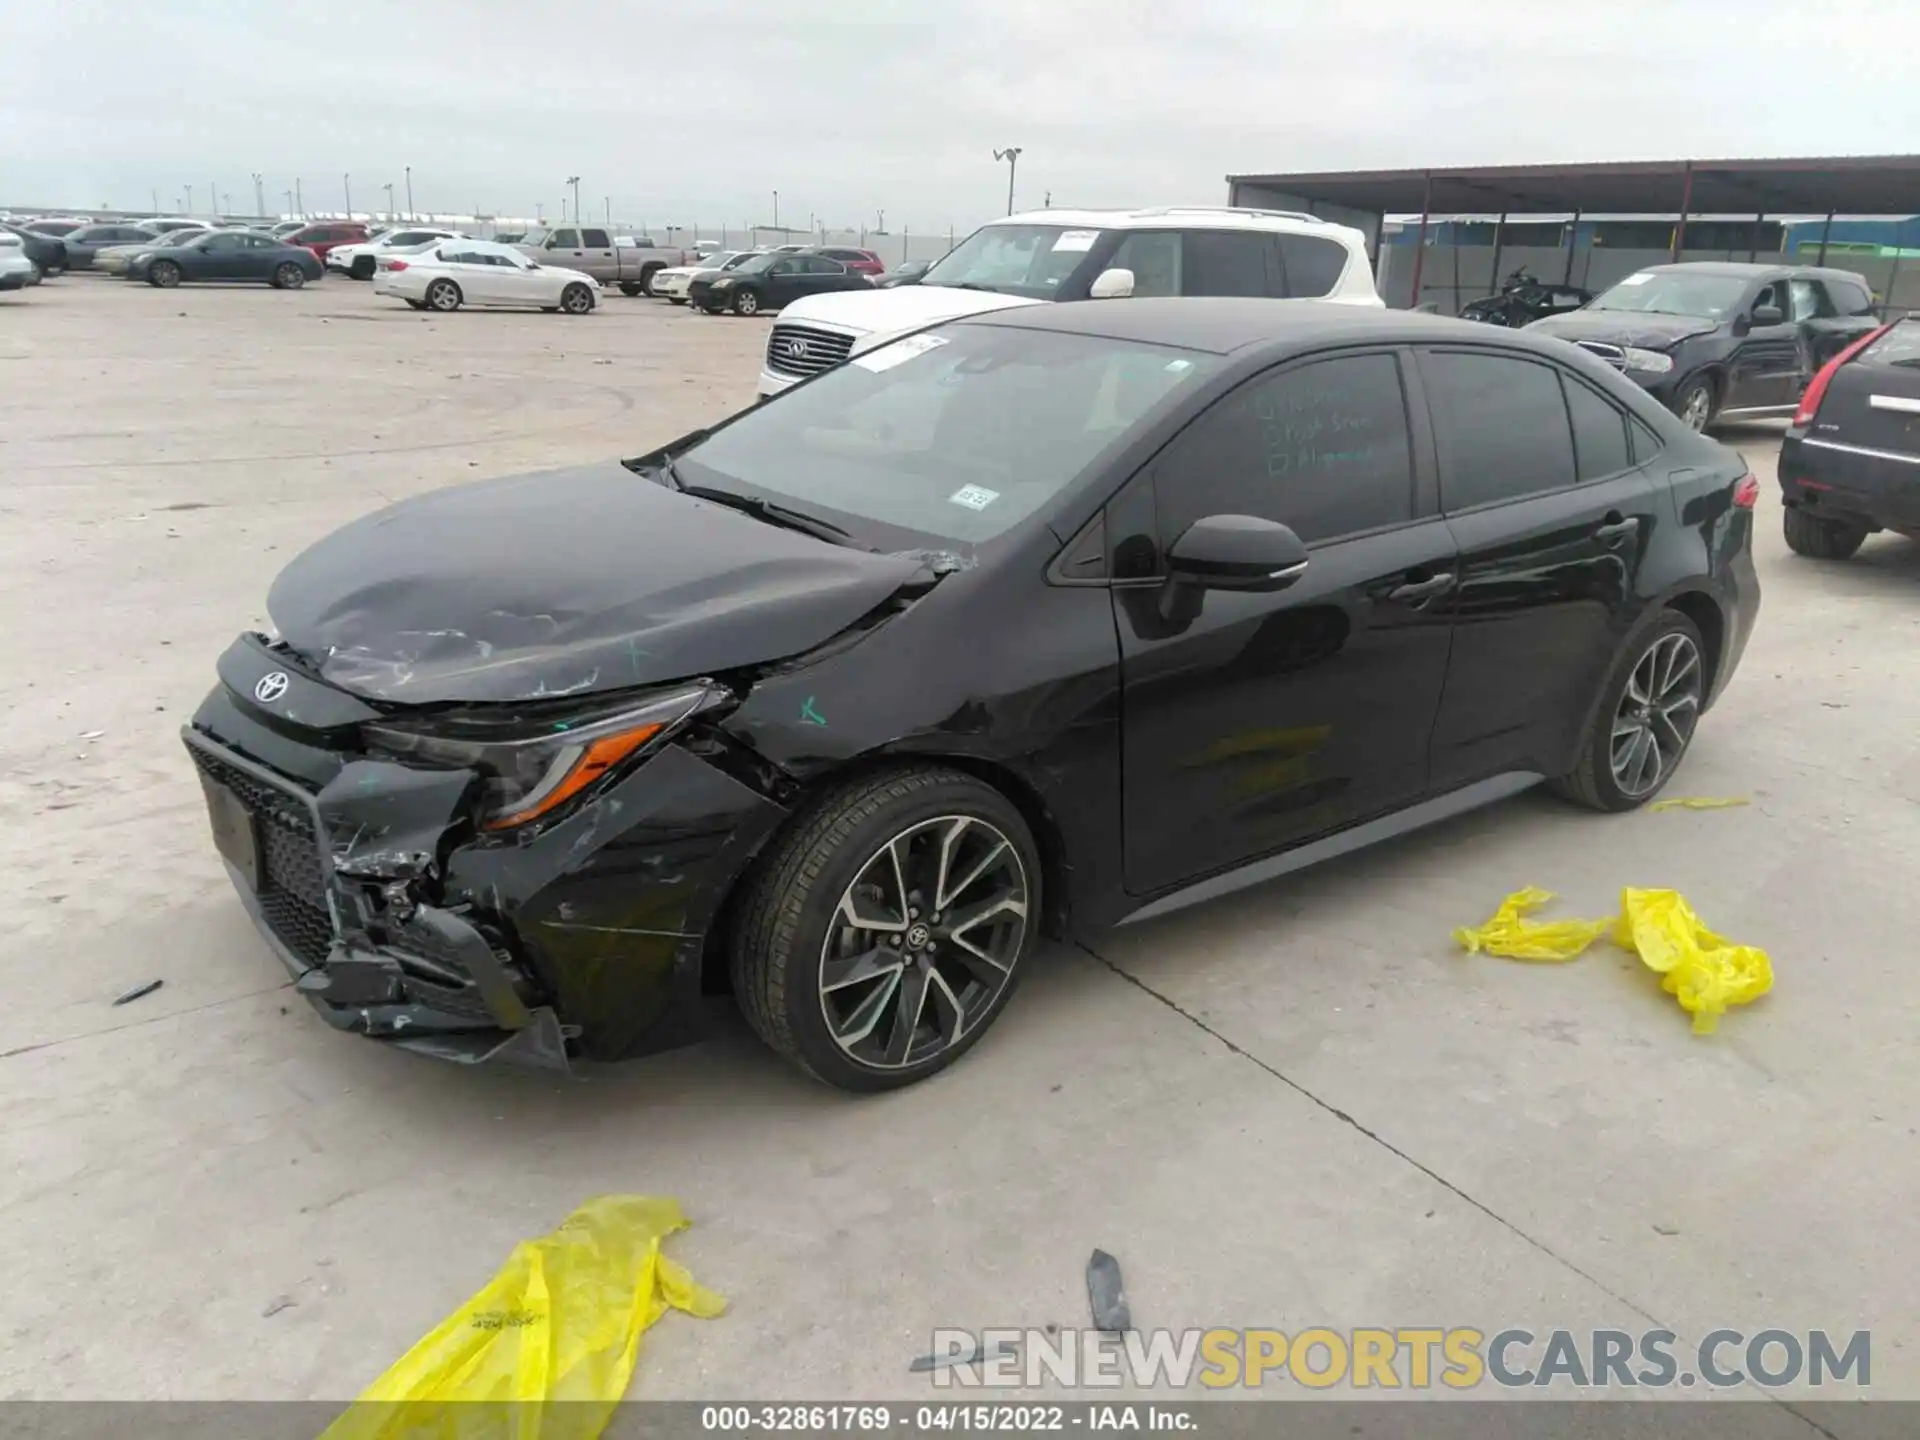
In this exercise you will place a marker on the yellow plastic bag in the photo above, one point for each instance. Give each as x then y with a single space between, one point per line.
1701 802
1703 971
545 1350
1508 934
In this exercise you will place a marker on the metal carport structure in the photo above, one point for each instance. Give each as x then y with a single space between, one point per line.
1823 185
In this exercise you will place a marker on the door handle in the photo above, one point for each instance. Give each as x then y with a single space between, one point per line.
1616 527
1422 589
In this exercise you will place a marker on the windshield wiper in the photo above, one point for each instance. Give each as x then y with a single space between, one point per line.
963 285
762 508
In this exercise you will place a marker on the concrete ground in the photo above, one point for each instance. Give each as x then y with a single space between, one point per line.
1303 1106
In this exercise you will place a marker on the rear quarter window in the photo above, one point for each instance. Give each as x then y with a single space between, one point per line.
1314 265
1899 346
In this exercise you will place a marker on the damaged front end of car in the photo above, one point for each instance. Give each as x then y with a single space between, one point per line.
527 882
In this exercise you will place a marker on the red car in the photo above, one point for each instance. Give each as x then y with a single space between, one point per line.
323 235
863 262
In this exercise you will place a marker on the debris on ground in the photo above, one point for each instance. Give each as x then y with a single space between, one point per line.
561 1321
140 990
276 1305
1510 935
91 734
1106 1296
1701 802
1705 972
972 1352
1666 1229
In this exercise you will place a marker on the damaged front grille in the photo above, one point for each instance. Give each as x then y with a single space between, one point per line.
293 884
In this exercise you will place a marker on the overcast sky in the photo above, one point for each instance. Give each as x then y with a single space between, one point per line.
697 111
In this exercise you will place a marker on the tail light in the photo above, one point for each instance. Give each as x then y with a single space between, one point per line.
1817 391
1746 491
393 264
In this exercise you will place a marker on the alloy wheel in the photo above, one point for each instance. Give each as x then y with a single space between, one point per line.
746 303
292 277
1699 405
1656 715
576 301
923 942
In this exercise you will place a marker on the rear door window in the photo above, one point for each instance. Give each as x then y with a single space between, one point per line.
1226 262
597 240
1501 425
1599 432
1314 264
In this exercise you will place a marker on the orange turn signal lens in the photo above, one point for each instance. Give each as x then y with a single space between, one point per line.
594 761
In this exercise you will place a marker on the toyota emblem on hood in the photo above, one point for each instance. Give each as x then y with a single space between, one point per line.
271 687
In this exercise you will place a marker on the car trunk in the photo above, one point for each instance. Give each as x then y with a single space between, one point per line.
1874 401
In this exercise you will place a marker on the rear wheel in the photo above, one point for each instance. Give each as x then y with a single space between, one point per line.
362 267
1646 718
1695 403
418 304
647 276
576 299
746 302
1821 539
289 276
54 269
163 273
676 299
444 296
630 288
882 934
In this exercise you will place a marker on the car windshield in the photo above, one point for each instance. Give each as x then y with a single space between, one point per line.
754 264
957 433
1674 292
1028 260
726 259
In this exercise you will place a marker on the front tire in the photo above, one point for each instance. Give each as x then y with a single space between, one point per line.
444 297
361 268
289 277
630 288
417 304
576 299
1646 718
746 302
1820 539
163 275
1696 403
646 279
676 299
883 933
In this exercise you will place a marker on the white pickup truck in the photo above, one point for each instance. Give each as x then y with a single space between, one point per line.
629 261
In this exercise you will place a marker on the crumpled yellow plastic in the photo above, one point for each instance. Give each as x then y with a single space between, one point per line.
1507 933
1705 972
1701 802
545 1350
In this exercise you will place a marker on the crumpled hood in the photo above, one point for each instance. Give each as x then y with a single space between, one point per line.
876 311
564 582
1624 327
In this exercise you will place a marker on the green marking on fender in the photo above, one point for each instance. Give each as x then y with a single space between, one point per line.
809 715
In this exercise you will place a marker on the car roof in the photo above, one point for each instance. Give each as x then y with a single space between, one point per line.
1740 270
1209 217
1226 325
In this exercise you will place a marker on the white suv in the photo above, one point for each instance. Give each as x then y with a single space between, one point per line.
1080 255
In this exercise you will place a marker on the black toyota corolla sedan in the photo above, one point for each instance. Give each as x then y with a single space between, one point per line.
1036 622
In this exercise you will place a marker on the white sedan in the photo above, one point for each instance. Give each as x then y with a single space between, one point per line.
671 284
453 273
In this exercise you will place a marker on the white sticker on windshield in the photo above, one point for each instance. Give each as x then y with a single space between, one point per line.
898 353
974 497
1639 279
1071 240
1179 367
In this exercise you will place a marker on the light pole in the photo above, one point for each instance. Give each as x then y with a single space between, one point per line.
609 200
290 209
1012 156
299 200
156 199
574 181
409 192
259 196
213 198
189 197
346 184
388 187
776 210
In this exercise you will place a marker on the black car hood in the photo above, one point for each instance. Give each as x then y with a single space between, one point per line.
1624 327
561 583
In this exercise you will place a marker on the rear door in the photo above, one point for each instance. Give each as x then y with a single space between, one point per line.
1764 369
264 255
819 274
1552 517
1843 311
1313 264
598 260
1254 722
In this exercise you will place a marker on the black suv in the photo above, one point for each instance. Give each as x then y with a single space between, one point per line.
1034 622
1710 340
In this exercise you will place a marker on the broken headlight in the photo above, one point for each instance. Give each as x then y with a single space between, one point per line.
532 767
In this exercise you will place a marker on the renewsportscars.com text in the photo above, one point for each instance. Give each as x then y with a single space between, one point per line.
1403 1358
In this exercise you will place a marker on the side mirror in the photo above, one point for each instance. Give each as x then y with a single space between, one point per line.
1767 315
1237 552
1112 285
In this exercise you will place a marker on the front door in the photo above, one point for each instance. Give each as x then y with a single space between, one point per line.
472 271
565 249
1765 367
1551 514
263 256
1252 723
223 257
597 257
